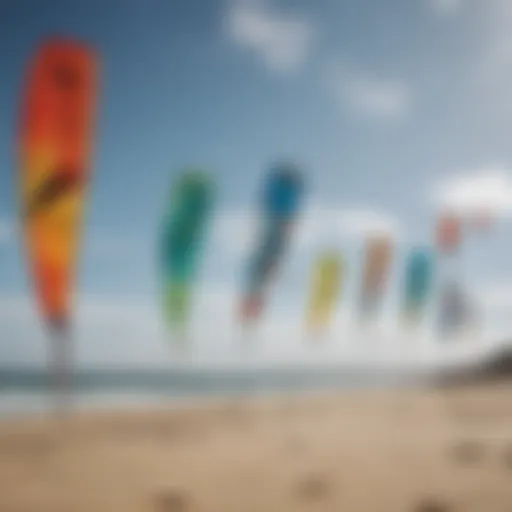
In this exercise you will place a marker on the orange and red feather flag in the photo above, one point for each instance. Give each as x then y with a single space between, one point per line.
54 152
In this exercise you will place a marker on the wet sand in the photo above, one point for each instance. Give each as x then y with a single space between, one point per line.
365 451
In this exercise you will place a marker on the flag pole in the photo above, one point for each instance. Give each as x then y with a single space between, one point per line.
61 361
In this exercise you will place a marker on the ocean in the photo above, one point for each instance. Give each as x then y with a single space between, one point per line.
25 390
29 390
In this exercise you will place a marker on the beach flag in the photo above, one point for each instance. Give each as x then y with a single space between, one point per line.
453 308
325 286
282 195
419 269
184 226
55 139
378 252
459 312
448 233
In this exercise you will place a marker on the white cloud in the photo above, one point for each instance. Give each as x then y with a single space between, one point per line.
496 296
446 7
323 224
367 94
366 221
281 41
494 301
116 329
489 190
124 331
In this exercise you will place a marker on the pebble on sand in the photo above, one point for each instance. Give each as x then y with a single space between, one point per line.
313 488
431 505
171 501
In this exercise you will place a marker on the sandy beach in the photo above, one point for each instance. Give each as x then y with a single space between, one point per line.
360 451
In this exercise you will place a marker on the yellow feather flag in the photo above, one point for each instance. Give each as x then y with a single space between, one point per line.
327 275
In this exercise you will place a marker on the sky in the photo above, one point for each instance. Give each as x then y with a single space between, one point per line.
393 110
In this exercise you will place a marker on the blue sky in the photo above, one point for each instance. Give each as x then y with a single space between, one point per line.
392 108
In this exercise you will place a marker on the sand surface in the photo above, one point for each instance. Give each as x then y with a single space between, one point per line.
378 451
